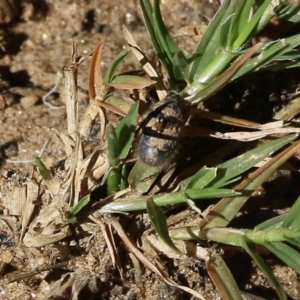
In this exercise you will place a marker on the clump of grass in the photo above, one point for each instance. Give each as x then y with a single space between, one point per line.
223 54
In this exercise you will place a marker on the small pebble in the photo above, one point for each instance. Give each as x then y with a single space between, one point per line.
29 101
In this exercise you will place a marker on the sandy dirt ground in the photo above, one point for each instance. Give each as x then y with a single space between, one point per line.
36 38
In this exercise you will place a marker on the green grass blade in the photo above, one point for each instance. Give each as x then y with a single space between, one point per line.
269 53
214 82
147 14
231 181
238 165
114 176
282 65
80 205
159 222
271 223
245 34
291 55
267 15
288 12
114 65
119 142
126 130
117 102
226 209
226 32
139 203
142 176
166 41
113 180
124 175
185 233
271 235
292 219
228 236
210 41
112 145
267 271
207 82
235 237
164 45
200 180
287 254
70 216
240 21
46 174
295 242
180 63
195 194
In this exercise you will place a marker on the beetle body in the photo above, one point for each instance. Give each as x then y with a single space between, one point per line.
160 131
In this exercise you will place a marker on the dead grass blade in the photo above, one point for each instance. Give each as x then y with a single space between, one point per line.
114 109
111 244
95 75
67 142
18 200
270 125
141 57
81 279
20 274
83 174
92 111
223 118
47 227
75 180
190 30
69 286
102 122
92 168
218 271
289 111
190 249
14 200
140 83
70 94
97 91
138 273
252 136
48 224
31 197
139 255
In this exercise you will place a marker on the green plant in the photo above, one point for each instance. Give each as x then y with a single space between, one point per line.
221 56
208 69
207 183
119 142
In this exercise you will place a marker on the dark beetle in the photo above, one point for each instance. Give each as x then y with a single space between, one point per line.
160 131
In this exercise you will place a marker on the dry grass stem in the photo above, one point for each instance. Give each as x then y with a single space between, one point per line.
141 57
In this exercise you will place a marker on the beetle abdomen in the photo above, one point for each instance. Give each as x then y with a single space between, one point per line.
160 131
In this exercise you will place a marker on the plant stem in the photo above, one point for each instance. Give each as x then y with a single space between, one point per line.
113 181
212 70
229 236
271 235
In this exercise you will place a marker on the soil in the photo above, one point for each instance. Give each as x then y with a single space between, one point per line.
36 39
